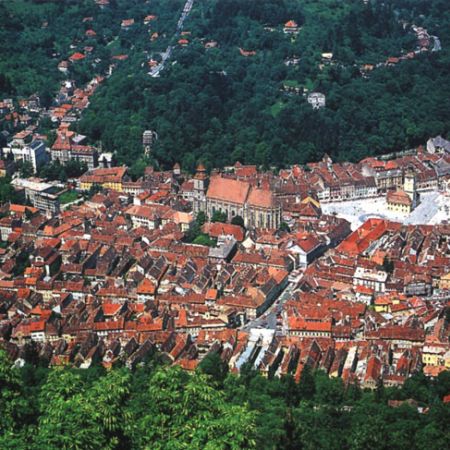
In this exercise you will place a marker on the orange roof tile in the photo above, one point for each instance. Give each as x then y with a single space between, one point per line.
146 287
228 190
262 198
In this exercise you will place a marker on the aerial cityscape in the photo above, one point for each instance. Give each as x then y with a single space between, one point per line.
225 224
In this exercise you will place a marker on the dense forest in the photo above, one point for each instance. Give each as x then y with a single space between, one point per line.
215 104
219 106
159 407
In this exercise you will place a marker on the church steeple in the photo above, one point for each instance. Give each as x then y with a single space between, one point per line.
200 187
409 186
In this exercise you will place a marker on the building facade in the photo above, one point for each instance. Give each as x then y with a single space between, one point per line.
35 153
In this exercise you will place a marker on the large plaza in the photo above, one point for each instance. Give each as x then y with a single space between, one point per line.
434 208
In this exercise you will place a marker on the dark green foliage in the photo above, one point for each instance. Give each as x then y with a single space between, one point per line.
167 408
284 227
219 216
201 218
307 386
94 189
388 265
25 168
204 239
7 192
56 171
137 170
213 366
238 220
22 262
220 107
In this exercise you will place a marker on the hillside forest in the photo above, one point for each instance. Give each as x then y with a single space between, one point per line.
237 89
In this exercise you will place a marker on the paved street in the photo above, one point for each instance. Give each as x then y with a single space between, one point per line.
268 320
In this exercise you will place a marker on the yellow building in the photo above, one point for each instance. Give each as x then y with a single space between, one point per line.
111 178
444 282
6 168
434 355
399 201
447 360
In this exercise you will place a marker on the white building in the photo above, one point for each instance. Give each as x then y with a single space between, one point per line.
316 100
438 145
44 196
374 279
35 153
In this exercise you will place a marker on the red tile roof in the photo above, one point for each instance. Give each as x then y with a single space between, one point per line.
228 190
299 324
399 197
77 57
216 229
290 24
146 287
261 198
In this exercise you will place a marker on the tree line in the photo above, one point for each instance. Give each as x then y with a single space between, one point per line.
161 407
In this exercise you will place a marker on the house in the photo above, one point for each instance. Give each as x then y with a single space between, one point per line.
216 229
63 66
374 279
76 57
146 291
144 216
438 145
127 24
149 18
67 147
44 196
211 44
316 100
297 326
225 248
247 53
392 61
102 3
444 282
252 306
290 27
183 219
306 247
373 372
